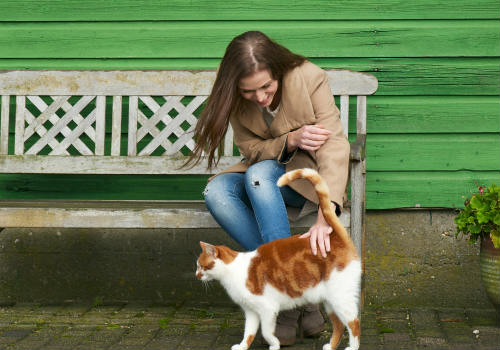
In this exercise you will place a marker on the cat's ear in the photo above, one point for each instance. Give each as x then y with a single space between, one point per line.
209 249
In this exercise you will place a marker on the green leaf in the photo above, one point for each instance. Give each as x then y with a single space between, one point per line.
475 229
475 202
482 217
495 238
496 219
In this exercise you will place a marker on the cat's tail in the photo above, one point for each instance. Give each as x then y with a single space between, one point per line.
324 199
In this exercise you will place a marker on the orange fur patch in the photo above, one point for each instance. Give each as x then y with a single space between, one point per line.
250 339
206 261
355 328
210 252
226 254
289 265
338 330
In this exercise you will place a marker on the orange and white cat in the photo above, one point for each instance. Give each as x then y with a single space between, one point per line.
284 274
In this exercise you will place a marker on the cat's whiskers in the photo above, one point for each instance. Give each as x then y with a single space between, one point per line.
207 286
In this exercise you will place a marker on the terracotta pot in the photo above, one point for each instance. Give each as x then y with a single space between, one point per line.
490 270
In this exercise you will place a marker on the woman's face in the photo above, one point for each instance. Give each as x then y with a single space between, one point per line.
259 87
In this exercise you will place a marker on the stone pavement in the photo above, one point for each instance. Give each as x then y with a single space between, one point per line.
201 325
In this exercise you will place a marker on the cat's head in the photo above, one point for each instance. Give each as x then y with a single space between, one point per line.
212 260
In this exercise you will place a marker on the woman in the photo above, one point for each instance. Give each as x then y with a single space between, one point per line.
284 117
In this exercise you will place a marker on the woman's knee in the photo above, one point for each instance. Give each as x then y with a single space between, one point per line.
215 189
222 187
264 170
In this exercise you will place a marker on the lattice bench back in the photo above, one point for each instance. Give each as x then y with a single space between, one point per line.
73 121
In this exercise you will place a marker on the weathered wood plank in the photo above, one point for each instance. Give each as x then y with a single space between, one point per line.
438 152
361 115
117 126
397 76
347 82
4 124
111 214
386 190
228 141
148 83
344 113
19 135
106 165
99 125
157 10
358 184
132 125
109 83
474 38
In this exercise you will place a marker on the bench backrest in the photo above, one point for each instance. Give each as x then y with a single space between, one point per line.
72 121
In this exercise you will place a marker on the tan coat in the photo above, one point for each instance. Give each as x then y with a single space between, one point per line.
306 99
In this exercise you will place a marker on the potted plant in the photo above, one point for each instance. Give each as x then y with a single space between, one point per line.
480 219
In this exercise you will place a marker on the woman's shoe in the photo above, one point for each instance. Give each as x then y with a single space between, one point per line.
286 326
312 322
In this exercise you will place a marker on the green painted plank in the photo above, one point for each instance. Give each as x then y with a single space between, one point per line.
397 76
430 76
443 152
112 187
386 190
208 39
133 10
431 114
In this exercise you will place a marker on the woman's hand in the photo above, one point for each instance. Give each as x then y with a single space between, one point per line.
319 235
308 138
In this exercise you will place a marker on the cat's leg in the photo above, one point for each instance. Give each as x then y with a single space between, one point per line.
354 329
346 311
251 326
268 325
338 329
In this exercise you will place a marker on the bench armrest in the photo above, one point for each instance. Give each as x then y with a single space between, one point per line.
358 148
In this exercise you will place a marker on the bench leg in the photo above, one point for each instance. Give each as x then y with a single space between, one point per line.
358 204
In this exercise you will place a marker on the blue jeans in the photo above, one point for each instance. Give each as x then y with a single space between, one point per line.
250 206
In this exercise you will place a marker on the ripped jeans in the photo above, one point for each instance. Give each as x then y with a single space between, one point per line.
250 206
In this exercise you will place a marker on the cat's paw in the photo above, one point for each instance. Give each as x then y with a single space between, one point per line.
239 347
327 346
274 347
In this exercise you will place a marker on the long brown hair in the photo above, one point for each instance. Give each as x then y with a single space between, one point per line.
246 54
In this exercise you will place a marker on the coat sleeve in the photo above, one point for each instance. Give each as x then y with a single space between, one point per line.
255 148
333 156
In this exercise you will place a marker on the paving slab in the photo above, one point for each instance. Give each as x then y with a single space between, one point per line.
201 325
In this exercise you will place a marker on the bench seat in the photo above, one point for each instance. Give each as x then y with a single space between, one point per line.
134 214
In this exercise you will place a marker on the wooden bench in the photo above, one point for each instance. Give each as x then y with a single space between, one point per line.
62 119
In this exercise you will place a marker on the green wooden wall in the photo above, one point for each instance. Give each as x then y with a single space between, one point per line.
433 124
